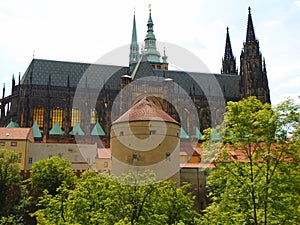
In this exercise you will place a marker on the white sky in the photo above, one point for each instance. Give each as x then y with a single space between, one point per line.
83 31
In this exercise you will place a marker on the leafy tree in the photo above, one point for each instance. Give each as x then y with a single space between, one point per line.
50 174
256 179
10 183
98 199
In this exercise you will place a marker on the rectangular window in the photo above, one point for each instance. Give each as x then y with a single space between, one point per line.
121 133
76 117
57 115
30 160
152 132
168 156
93 116
38 116
2 143
13 144
75 157
105 164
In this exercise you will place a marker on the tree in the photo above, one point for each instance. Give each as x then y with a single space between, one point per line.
98 199
10 182
50 174
256 179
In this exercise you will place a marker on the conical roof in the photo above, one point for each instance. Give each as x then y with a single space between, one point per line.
76 130
36 130
145 110
97 130
56 129
12 124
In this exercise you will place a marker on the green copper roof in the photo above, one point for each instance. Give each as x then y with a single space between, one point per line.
97 130
12 125
198 134
76 130
134 36
183 134
36 130
56 129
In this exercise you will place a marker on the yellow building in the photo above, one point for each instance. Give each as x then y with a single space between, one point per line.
18 140
146 138
103 161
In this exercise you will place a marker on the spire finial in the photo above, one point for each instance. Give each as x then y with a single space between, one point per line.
250 36
249 9
149 8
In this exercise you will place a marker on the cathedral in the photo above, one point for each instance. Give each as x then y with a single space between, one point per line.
61 99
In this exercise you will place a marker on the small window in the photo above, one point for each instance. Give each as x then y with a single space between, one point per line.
152 132
121 133
30 160
75 157
105 164
2 143
13 143
168 156
134 157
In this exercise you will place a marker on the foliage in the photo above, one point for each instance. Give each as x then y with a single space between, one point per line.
49 174
98 199
10 185
256 179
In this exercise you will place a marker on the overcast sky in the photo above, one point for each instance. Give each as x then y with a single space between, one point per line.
83 31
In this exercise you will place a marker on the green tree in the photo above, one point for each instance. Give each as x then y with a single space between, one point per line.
256 179
10 182
131 199
49 174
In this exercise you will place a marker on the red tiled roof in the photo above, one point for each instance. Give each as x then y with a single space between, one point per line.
145 110
15 133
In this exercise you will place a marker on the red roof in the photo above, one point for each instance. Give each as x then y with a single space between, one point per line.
16 133
145 110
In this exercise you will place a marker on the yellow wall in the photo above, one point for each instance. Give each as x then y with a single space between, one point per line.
82 156
132 147
20 148
103 165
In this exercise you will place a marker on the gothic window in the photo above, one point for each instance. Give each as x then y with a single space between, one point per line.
38 116
57 115
76 115
93 116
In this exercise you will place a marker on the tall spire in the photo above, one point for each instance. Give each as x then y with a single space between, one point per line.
228 50
228 62
150 42
134 47
250 37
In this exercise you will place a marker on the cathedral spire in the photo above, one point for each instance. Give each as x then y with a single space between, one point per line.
134 47
228 62
250 37
150 50
228 50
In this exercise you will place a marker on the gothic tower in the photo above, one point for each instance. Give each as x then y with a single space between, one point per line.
228 62
253 74
134 47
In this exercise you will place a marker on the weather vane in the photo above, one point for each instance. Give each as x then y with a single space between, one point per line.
149 7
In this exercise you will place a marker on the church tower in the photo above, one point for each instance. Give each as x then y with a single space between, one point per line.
253 74
150 51
228 62
134 47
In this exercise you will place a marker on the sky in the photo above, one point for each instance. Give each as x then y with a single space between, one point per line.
83 31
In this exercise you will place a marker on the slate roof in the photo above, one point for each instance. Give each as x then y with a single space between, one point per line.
95 75
58 71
